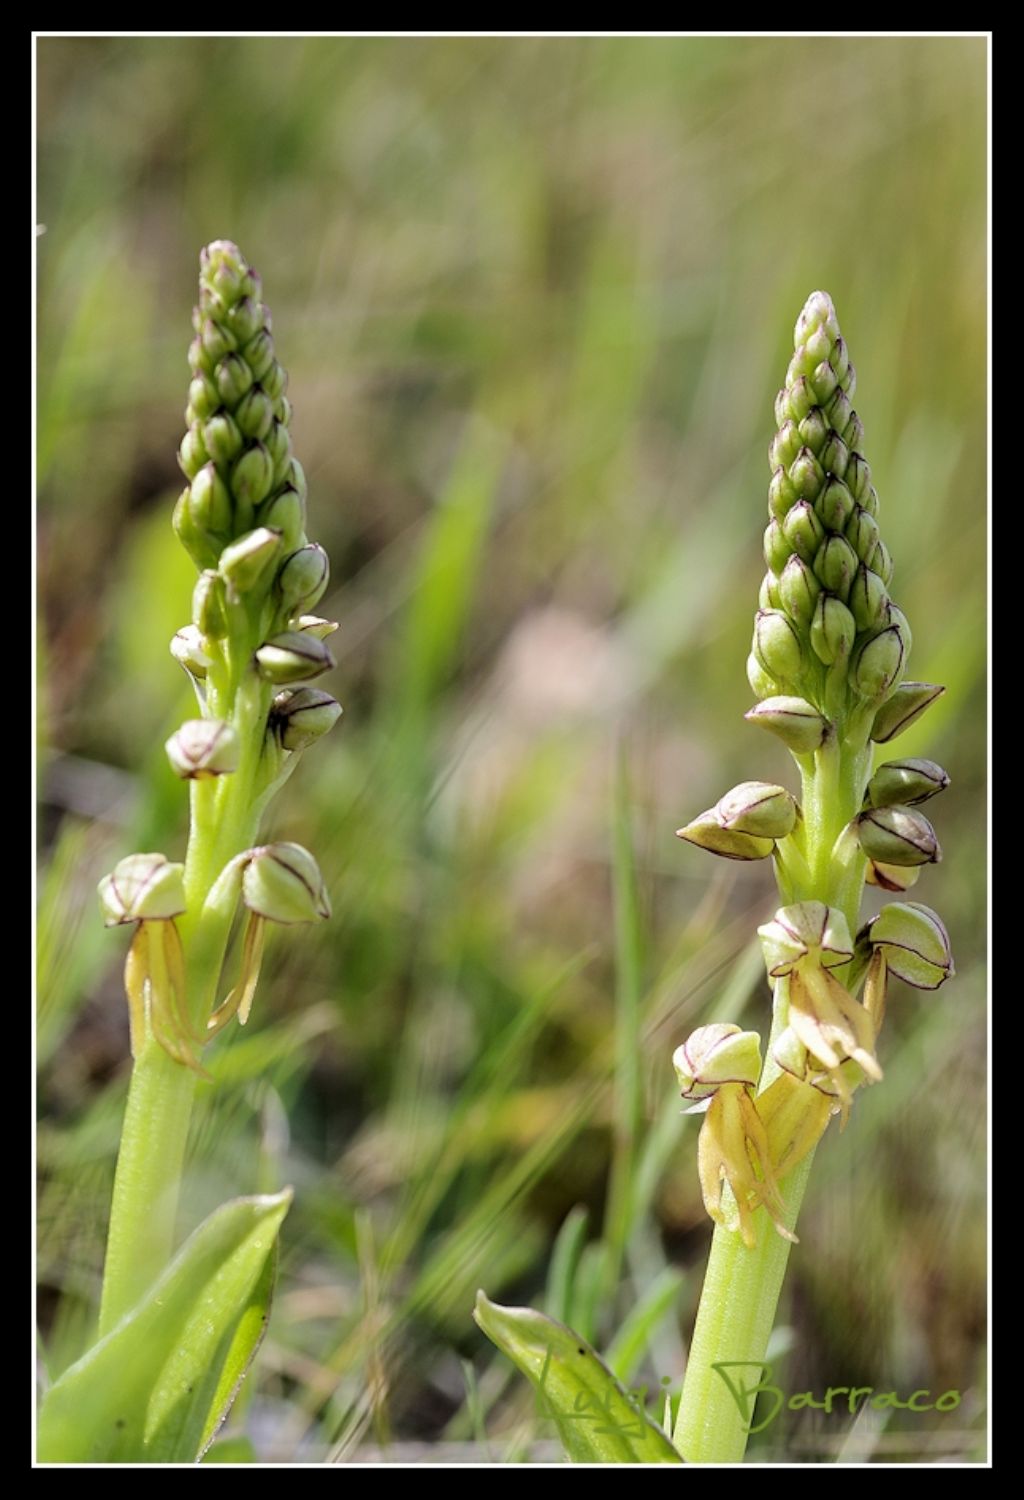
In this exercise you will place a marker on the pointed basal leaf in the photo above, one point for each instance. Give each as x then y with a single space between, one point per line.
157 1386
597 1420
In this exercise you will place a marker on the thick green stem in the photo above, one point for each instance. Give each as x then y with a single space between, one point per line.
147 1184
742 1287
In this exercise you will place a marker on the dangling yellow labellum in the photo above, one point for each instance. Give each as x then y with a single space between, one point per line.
795 1116
733 1147
831 1024
240 998
154 981
875 987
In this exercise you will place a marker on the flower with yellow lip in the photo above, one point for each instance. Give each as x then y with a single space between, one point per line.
149 891
719 1066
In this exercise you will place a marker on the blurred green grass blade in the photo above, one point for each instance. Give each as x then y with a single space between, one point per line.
626 1350
564 1260
146 1392
595 1418
589 1292
447 569
629 947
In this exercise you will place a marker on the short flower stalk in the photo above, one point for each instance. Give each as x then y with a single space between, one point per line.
248 650
828 664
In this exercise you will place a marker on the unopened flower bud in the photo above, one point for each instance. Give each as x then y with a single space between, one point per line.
293 656
247 565
252 476
840 362
717 1054
275 381
142 888
817 313
785 446
777 645
806 475
803 531
835 565
832 629
776 548
758 807
188 647
858 477
245 319
878 664
303 715
286 512
781 494
279 447
209 613
853 432
203 748
209 503
823 381
862 533
768 596
762 684
217 341
899 622
193 454
282 882
799 399
839 411
797 723
813 430
798 590
898 836
834 456
707 833
906 704
915 944
868 599
807 930
233 378
835 505
302 580
258 354
222 437
203 398
908 782
255 414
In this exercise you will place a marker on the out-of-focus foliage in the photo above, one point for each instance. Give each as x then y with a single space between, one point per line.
536 297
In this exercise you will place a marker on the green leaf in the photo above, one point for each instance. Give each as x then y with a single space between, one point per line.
156 1388
596 1419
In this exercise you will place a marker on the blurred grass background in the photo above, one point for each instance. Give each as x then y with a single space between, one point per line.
535 297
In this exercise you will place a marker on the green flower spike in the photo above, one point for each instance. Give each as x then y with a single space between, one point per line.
828 659
279 883
149 891
719 1066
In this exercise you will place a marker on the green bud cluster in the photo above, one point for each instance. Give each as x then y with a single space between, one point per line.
827 630
241 518
827 664
242 515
